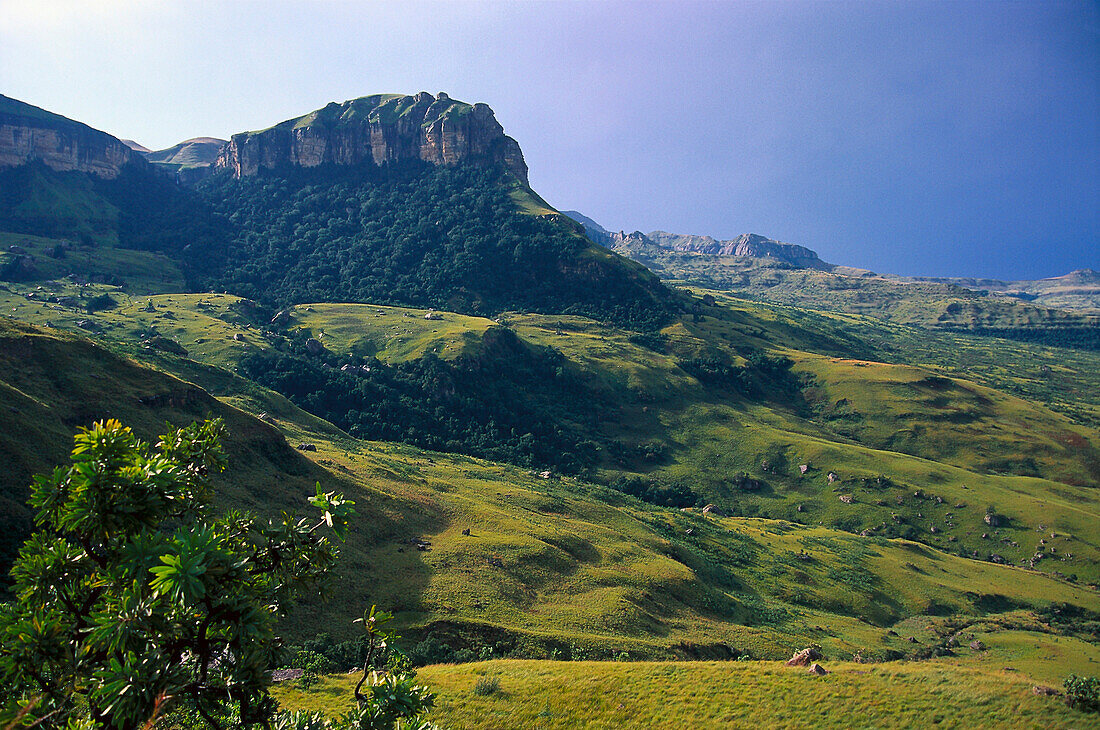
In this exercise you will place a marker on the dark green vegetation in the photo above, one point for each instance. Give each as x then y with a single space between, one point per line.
131 595
408 233
418 235
469 405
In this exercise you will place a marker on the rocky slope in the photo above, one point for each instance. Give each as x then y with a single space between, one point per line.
747 244
28 133
379 129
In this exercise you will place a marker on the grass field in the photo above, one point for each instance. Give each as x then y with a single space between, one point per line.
543 694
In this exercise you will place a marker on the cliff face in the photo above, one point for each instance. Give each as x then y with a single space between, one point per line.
28 133
379 129
747 244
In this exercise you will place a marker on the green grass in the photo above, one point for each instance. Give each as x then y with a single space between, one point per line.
895 422
550 565
391 334
138 272
542 694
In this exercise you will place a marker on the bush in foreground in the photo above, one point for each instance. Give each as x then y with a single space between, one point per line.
135 605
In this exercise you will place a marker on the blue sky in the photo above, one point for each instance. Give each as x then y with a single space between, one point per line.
946 138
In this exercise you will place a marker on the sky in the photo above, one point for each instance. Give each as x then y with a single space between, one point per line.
920 138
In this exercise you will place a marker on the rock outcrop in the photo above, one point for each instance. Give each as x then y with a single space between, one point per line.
747 244
381 128
28 133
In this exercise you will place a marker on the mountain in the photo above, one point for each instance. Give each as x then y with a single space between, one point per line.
383 128
136 146
1078 289
747 244
1061 311
414 200
28 133
195 152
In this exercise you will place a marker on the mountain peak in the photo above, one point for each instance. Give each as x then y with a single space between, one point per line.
380 128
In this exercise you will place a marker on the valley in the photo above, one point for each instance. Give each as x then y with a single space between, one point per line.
570 471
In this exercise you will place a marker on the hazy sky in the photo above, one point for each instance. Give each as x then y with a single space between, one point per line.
945 138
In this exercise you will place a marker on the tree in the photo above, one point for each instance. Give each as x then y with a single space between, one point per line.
133 601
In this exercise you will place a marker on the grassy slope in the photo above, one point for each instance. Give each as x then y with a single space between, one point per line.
712 436
548 562
544 694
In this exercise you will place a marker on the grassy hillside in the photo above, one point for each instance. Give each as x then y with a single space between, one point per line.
914 453
711 694
549 564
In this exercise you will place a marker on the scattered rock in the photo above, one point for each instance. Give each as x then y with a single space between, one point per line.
977 645
282 675
466 532
166 345
846 498
803 468
238 337
1045 691
306 447
992 519
805 657
831 476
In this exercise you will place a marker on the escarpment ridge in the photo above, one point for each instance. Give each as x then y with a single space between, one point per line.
380 128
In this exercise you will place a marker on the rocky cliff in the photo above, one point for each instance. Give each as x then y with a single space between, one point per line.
747 244
29 133
381 128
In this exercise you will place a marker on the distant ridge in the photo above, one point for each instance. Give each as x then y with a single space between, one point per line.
747 245
135 146
29 133
189 153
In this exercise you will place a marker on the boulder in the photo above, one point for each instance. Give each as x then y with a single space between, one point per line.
314 346
711 509
804 658
817 669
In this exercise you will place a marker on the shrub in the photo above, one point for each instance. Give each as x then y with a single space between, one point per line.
1083 693
486 686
